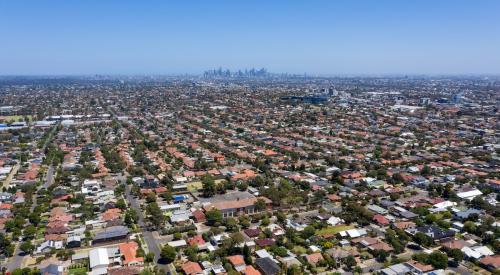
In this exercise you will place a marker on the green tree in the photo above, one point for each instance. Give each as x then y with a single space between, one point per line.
350 262
27 247
177 236
192 253
168 253
308 232
265 221
438 260
470 227
150 198
456 254
156 216
260 205
121 204
29 232
237 238
426 171
214 216
131 217
423 239
209 187
247 255
34 218
150 257
231 224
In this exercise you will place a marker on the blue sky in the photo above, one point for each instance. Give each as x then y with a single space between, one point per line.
316 37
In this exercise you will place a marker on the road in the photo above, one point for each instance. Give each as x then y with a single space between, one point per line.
17 260
51 135
151 242
461 269
50 177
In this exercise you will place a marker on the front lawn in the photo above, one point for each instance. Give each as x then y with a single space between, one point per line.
332 230
77 271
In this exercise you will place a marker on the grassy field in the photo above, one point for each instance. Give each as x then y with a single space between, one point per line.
194 186
333 229
197 185
14 118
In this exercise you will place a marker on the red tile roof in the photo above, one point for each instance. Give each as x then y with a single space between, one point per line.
128 250
236 260
190 268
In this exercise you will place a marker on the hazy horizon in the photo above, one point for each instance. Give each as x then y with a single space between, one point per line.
324 38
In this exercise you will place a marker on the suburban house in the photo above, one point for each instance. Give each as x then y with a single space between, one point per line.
237 207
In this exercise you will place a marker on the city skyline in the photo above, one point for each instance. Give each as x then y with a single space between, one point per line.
323 38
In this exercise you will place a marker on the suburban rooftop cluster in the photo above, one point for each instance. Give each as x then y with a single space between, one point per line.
250 173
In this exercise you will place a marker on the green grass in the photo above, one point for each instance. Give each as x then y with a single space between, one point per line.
15 118
299 250
333 229
79 270
40 233
194 186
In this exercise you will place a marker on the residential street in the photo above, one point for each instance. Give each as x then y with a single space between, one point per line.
151 242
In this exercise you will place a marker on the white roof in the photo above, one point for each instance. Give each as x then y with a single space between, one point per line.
5 170
334 220
177 243
98 256
469 194
471 253
263 254
444 204
484 250
314 248
170 206
180 179
353 233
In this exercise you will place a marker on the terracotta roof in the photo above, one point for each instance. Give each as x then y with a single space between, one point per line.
405 225
421 267
232 204
380 219
191 268
5 206
333 197
128 250
314 258
196 240
493 261
381 246
111 214
236 260
199 215
455 244
250 270
56 237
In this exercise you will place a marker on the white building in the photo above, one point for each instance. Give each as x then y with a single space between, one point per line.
99 261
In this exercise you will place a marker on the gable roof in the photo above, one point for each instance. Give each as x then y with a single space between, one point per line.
250 270
129 250
493 261
236 260
191 268
267 266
